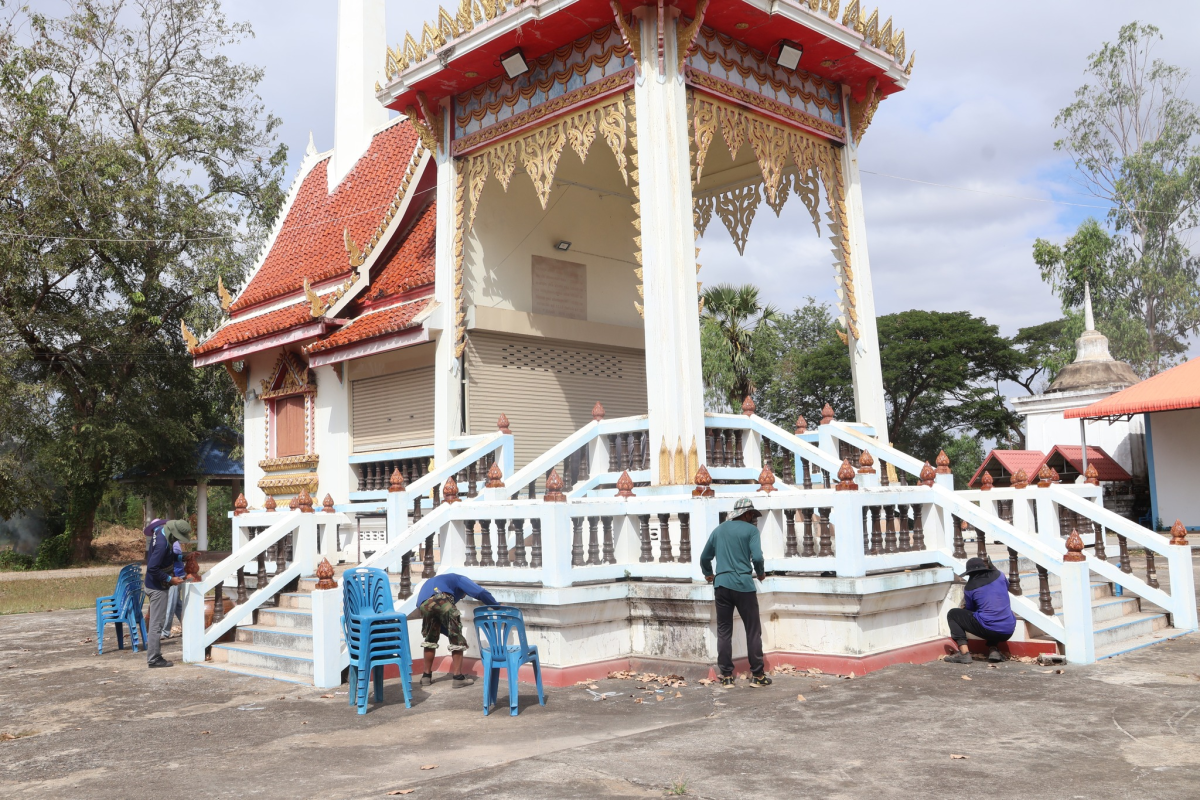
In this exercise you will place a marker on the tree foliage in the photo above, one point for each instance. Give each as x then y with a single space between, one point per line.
734 327
1134 139
136 166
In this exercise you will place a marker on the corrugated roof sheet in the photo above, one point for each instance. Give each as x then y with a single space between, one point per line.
1177 388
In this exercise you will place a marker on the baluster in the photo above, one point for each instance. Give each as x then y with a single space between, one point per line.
1044 603
883 473
789 467
918 529
665 555
904 531
1014 573
427 569
622 452
876 531
280 566
593 553
535 553
533 489
738 455
807 549
472 479
219 602
889 536
362 478
806 469
825 479
719 451
518 529
568 477
981 546
1151 572
260 580
241 586
585 462
416 515
826 541
647 553
1064 521
960 550
501 543
437 495
471 559
608 556
685 538
645 449
485 543
789 542
405 576
638 448
1123 546
866 530
1100 549
710 446
613 460
576 541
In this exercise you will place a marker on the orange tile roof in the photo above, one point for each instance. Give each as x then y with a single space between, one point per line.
311 241
412 265
373 324
243 330
1106 468
1177 388
1012 461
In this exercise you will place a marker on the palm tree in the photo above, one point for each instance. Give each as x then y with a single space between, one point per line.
733 322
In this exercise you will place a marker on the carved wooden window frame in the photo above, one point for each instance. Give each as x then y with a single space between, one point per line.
291 377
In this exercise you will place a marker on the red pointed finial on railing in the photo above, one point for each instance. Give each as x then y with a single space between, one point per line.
597 412
1074 547
766 480
1092 476
866 464
495 477
1054 476
327 504
943 463
1179 534
801 425
1020 480
987 482
827 414
625 485
1043 477
502 424
191 567
554 488
450 490
703 483
748 406
396 484
270 505
239 505
304 502
927 475
325 575
845 476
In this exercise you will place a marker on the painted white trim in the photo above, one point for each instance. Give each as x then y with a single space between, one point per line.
255 345
395 341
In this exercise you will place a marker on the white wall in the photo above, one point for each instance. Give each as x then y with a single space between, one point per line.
1046 427
1175 435
332 436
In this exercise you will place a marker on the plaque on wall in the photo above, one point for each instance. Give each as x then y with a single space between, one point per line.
559 288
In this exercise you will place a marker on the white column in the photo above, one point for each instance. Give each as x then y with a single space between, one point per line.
202 515
676 391
1076 587
447 421
327 638
865 367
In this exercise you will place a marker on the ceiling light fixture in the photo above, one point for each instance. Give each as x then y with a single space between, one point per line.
514 63
789 55
564 246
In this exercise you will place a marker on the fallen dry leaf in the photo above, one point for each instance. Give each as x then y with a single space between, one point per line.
303 723
956 755
814 671
799 698
205 733
283 698
706 682
679 694
326 697
1048 672
401 791
1059 671
430 766
637 699
966 677
658 698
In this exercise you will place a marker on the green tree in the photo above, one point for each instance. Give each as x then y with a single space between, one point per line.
734 325
965 454
137 165
802 366
1135 141
1044 350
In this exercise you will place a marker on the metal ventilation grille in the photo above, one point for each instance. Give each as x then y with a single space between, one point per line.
562 362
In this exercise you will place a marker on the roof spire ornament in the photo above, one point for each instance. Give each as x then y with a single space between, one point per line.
223 293
311 150
316 306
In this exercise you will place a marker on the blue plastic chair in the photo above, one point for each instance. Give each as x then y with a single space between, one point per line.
122 607
495 624
376 635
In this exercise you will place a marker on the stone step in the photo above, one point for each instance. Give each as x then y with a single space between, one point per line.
275 659
1131 644
1130 626
254 672
1107 609
290 600
1100 591
300 618
296 639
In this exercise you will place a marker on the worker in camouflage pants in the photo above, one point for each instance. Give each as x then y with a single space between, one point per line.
437 604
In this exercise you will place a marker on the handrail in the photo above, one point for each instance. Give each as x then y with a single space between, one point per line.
227 568
412 536
794 443
584 436
881 452
438 475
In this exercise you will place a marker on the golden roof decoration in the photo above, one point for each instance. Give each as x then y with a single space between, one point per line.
318 306
188 336
223 293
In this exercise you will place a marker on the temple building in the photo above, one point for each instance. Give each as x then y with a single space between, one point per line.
474 330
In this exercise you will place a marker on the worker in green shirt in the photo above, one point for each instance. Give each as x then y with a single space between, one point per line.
735 544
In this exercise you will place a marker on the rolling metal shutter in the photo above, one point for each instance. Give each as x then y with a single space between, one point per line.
547 387
392 411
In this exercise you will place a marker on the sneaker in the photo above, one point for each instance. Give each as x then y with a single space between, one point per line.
160 662
462 680
165 635
758 681
426 678
727 680
995 656
959 658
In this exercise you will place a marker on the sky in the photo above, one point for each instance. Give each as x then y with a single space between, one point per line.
978 114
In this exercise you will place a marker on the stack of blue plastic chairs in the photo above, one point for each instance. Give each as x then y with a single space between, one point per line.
493 626
376 634
123 607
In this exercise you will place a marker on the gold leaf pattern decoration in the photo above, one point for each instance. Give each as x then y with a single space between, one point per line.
503 158
223 294
188 336
540 152
861 113
704 122
612 129
460 195
357 257
316 305
771 148
580 130
733 128
737 208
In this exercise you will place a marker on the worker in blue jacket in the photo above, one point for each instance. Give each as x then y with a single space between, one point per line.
986 612
437 603
160 577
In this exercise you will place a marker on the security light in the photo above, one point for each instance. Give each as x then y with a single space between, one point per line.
789 55
514 63
564 246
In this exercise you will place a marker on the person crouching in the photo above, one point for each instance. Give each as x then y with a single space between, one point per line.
437 603
986 612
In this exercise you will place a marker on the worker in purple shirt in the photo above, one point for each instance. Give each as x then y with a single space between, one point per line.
986 612
437 603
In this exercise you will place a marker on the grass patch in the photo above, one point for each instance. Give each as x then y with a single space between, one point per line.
53 594
677 788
